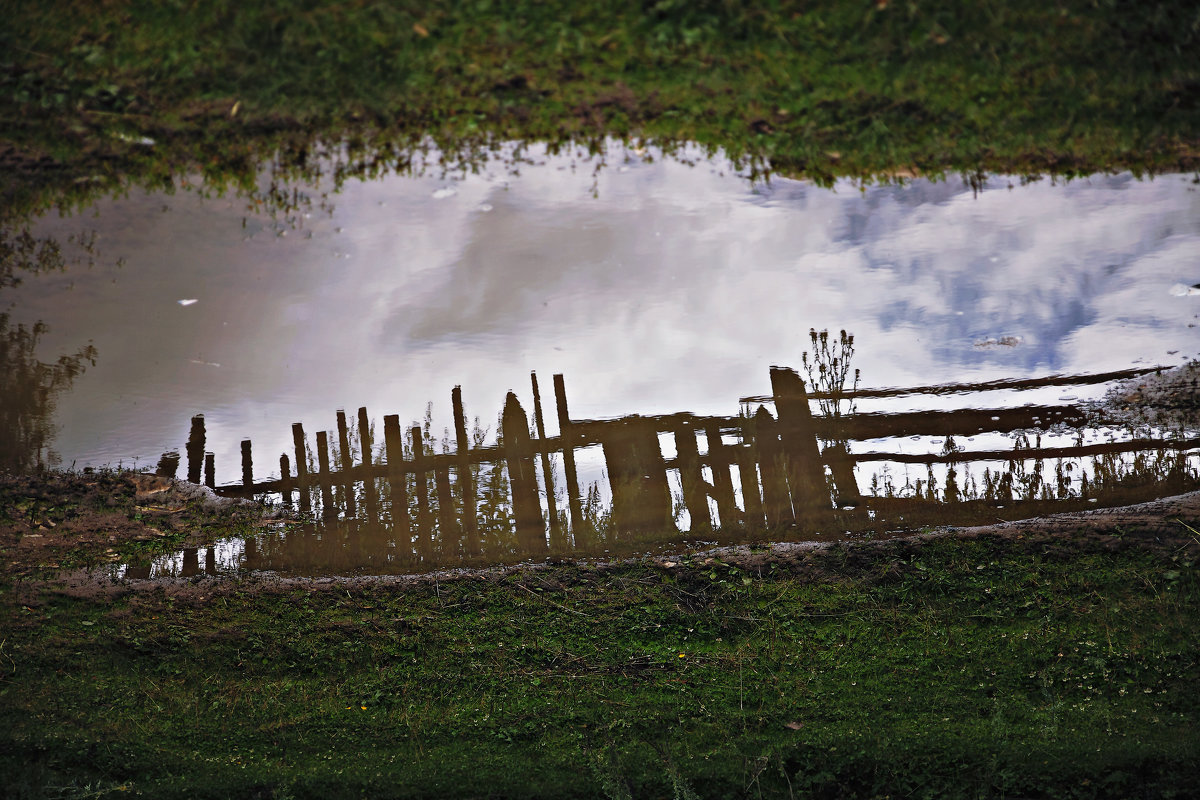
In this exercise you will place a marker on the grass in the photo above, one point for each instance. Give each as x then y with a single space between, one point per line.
972 668
820 89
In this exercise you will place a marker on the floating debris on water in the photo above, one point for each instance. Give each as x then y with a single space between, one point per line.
1003 341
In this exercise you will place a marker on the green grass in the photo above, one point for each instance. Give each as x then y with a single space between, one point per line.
978 668
822 89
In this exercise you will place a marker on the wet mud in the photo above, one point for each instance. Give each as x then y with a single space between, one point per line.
64 520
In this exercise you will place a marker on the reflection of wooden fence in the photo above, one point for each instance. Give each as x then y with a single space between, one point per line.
782 474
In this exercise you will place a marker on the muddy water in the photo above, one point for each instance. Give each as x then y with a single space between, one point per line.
654 286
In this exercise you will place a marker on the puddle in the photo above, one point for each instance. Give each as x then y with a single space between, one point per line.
655 286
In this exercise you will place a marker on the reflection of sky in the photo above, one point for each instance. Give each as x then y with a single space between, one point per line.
674 289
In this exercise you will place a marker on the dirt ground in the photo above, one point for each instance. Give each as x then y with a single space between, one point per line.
61 520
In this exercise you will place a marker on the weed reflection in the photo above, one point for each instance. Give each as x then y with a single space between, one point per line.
28 385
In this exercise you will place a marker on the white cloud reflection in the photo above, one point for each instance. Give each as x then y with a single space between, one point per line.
675 288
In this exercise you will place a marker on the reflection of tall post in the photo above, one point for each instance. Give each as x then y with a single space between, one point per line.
556 534
521 477
393 440
448 534
641 494
806 475
424 523
191 562
776 505
285 479
210 470
195 449
301 466
466 478
210 561
718 459
364 439
328 509
247 465
748 473
566 435
347 463
691 478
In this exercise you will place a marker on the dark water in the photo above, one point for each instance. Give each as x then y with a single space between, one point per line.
654 287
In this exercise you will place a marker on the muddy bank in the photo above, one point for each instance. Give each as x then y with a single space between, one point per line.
62 520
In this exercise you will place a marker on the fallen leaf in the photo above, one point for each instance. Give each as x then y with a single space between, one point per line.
420 30
793 726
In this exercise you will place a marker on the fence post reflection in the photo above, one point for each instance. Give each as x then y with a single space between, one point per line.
346 463
691 478
638 478
522 479
463 473
191 562
565 435
168 464
195 449
393 441
301 466
247 465
805 473
328 509
285 480
771 463
424 517
370 498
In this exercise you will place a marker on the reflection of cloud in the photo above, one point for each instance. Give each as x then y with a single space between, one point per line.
678 255
673 289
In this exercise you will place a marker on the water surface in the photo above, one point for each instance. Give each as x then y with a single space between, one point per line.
654 285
